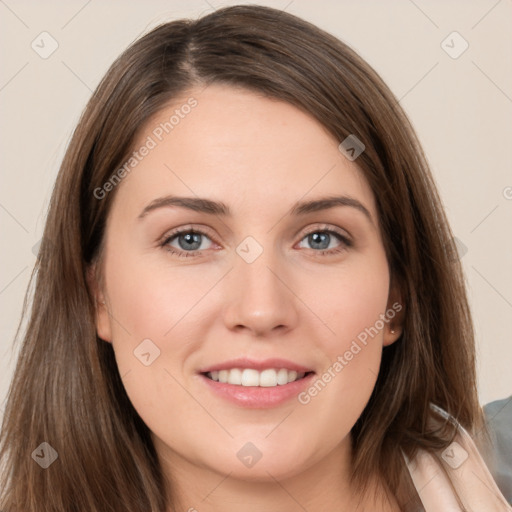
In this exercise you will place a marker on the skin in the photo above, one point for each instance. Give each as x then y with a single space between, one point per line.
258 156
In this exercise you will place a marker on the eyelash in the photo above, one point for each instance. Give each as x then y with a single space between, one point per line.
185 254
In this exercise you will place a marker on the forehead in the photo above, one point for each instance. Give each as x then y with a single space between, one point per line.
236 145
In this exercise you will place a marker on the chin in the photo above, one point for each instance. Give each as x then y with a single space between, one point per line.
263 471
260 462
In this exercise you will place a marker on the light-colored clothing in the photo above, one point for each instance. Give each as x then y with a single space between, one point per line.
457 472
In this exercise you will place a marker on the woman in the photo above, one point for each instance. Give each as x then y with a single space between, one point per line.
255 370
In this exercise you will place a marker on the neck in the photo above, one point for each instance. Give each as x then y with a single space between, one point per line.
322 486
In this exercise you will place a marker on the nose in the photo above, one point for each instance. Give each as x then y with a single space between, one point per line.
260 297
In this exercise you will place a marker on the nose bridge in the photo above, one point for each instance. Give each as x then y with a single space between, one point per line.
257 295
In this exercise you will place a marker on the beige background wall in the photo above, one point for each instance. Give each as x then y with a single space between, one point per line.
461 108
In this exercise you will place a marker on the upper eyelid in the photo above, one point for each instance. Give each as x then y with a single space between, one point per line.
327 227
186 229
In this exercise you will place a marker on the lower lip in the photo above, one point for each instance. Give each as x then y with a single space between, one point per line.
257 397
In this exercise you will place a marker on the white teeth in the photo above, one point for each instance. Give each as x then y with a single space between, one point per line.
235 377
282 376
292 376
269 378
250 377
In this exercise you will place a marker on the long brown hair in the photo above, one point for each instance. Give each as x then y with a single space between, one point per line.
66 389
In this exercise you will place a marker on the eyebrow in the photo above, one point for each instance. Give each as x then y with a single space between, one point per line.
203 205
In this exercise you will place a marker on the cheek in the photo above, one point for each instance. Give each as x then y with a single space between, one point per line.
351 303
151 298
157 311
149 334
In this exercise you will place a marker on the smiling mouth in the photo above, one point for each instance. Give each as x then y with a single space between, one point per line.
271 377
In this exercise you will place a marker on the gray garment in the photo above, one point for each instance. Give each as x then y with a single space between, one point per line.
499 419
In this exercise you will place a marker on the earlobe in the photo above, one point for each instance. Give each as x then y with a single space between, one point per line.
391 334
102 317
395 315
103 323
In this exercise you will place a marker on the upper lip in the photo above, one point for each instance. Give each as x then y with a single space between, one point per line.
243 362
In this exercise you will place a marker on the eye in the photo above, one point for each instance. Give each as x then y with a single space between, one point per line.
321 239
189 242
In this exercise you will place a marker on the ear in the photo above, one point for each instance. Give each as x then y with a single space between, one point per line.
102 316
395 314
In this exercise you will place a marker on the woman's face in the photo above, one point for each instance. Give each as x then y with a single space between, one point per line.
271 273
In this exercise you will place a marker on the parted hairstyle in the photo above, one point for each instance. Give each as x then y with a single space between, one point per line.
66 388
